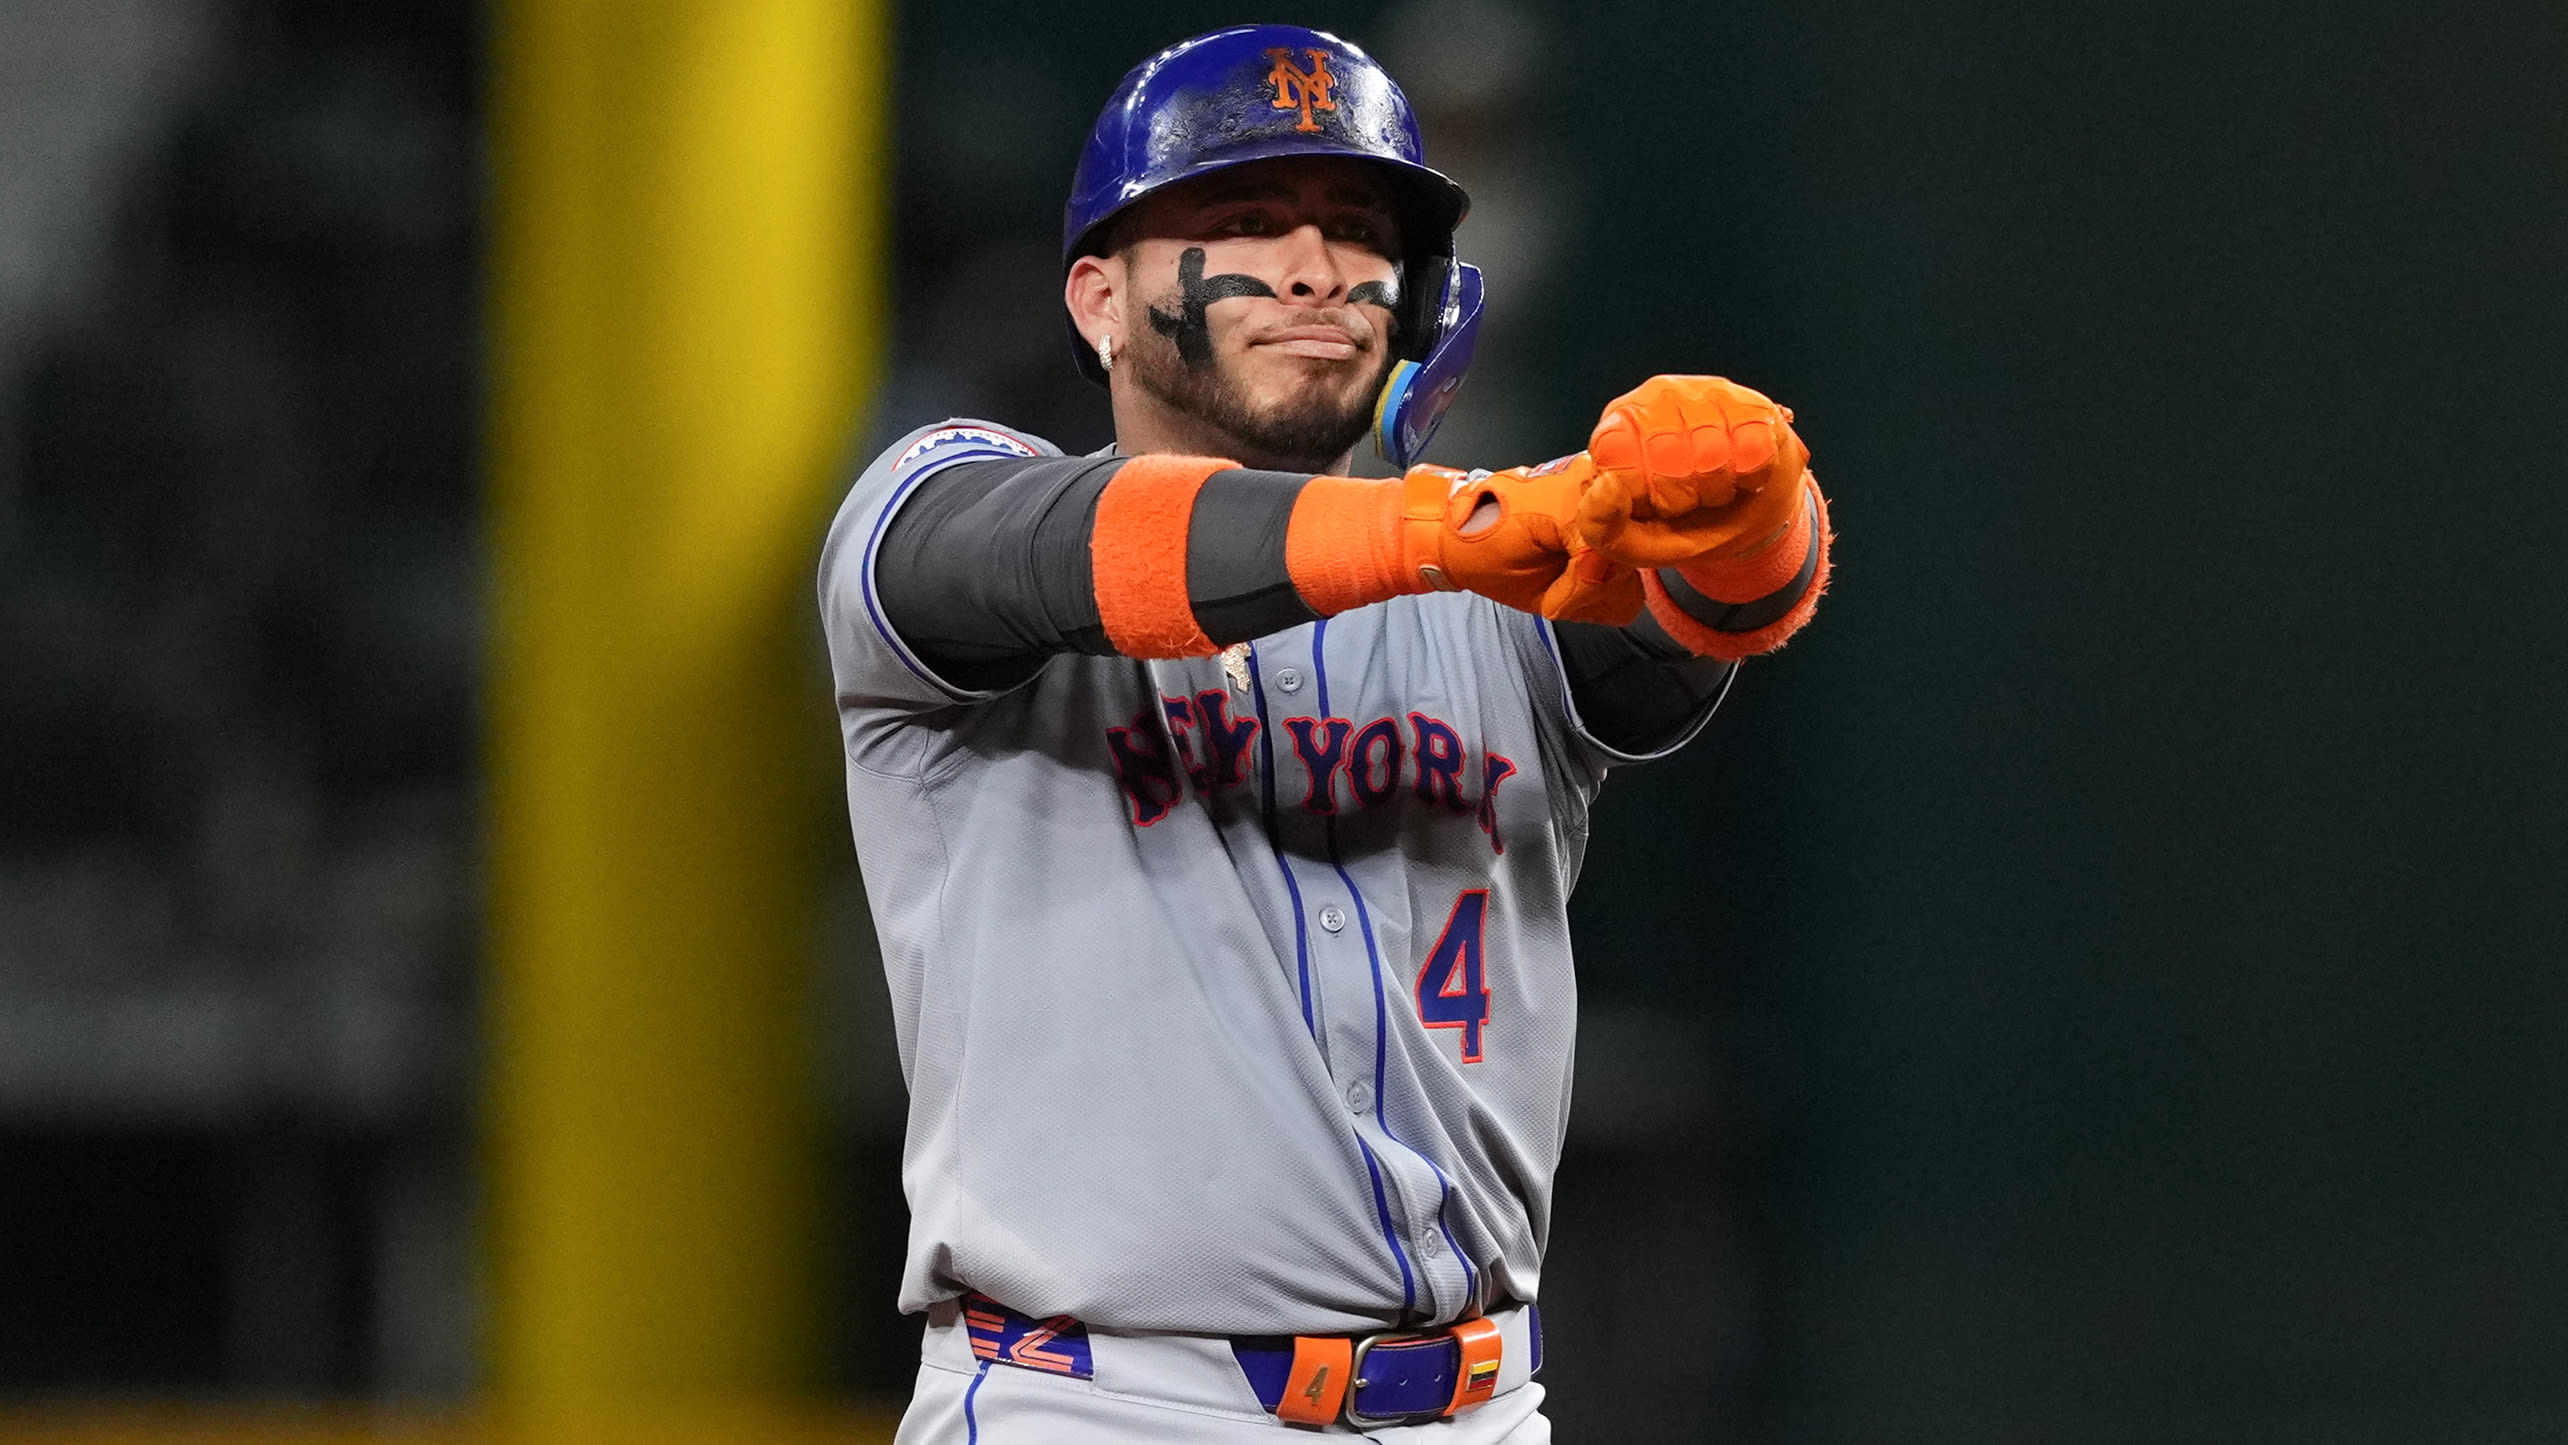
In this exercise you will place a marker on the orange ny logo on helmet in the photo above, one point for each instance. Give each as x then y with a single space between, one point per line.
1299 89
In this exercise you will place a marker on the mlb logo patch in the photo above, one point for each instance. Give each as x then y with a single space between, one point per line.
958 439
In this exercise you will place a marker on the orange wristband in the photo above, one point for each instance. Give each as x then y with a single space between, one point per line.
1342 547
1138 554
1763 572
1707 641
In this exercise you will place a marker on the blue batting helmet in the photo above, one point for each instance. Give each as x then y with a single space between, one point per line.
1258 92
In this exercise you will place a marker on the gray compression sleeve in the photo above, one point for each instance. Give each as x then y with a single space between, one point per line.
1638 689
986 572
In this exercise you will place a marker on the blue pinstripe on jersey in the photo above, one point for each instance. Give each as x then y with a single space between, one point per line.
1275 841
1372 1166
1381 1002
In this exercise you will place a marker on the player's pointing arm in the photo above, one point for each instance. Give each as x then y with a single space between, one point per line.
996 565
1702 505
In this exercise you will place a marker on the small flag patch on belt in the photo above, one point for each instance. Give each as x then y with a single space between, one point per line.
1481 1352
1057 1346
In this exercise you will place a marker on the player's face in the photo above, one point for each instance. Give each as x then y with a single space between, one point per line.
1269 292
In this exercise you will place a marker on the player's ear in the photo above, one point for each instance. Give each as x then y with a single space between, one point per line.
1094 292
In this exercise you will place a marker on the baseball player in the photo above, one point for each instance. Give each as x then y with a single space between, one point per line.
1220 810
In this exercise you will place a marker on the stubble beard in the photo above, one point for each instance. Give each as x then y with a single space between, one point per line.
1308 433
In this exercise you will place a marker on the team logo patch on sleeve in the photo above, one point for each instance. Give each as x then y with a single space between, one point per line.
957 441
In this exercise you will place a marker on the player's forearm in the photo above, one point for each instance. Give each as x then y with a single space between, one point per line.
995 566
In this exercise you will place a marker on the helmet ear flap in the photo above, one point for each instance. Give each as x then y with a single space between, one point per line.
1415 395
1424 280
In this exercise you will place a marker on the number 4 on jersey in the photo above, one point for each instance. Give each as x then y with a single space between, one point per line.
1453 990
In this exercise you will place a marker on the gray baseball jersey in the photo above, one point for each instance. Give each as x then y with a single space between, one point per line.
1234 995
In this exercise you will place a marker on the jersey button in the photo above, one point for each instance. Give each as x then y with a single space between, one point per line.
1359 1097
1431 1244
1333 918
1289 678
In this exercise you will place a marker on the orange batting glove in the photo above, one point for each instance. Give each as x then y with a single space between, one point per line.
1692 469
1518 537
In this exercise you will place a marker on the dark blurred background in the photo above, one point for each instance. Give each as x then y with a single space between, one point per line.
239 631
2103 981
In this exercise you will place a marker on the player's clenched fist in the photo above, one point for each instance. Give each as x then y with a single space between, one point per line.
1692 468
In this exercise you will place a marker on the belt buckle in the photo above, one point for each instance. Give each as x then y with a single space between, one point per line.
1477 1353
1356 1419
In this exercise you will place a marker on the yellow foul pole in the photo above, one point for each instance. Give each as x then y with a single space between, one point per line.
684 278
